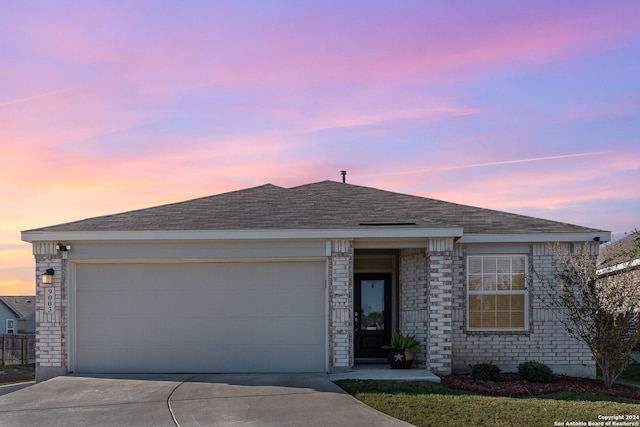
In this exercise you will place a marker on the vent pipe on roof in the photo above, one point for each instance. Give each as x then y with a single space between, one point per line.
344 176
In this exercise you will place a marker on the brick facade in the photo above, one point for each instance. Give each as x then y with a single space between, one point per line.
440 270
340 283
431 305
546 341
51 324
414 299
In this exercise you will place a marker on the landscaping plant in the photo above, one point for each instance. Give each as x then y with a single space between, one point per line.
535 372
485 372
405 342
600 309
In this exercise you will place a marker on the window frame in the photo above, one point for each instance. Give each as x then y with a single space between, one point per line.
12 329
524 292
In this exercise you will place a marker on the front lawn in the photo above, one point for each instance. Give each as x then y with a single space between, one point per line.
429 404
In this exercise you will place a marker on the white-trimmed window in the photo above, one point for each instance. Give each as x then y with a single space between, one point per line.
497 296
11 326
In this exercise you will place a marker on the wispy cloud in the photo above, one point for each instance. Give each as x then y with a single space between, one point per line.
480 165
60 91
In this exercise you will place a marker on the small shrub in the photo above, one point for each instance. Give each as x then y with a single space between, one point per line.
485 372
535 372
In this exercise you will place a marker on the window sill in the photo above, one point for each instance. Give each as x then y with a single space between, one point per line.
497 332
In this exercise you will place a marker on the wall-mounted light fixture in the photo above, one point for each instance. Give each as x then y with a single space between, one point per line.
63 247
47 277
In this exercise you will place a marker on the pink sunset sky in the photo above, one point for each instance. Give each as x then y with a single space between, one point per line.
107 106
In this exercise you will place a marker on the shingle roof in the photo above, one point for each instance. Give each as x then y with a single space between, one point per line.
321 205
23 306
619 251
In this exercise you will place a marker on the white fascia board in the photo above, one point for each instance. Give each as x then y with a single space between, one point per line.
16 312
619 267
357 233
601 236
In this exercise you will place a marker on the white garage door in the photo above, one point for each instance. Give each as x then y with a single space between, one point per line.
200 317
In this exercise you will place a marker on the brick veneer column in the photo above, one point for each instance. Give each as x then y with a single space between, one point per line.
340 284
51 328
440 296
414 302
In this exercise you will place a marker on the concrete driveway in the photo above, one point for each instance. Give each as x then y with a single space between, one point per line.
188 400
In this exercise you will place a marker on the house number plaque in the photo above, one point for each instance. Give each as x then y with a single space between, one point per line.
49 300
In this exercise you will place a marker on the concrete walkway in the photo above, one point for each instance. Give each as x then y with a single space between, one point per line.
188 400
383 372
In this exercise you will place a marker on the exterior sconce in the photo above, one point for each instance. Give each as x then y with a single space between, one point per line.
47 277
62 247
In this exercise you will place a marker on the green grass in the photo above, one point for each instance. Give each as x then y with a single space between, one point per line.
630 376
429 404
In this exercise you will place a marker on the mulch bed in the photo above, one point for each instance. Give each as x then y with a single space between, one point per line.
511 385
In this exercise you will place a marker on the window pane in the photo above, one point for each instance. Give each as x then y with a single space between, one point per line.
488 302
503 302
517 302
518 282
372 305
503 319
504 265
475 282
475 303
488 264
489 320
517 319
475 319
504 282
475 265
489 282
517 264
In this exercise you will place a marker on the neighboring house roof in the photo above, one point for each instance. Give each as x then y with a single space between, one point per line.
23 306
321 205
616 255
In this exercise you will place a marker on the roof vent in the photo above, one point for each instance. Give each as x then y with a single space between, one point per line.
344 176
385 224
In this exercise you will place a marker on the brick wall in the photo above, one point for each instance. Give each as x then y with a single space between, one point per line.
440 282
51 324
426 301
340 283
414 302
546 341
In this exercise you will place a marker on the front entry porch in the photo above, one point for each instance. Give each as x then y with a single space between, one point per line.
375 291
383 372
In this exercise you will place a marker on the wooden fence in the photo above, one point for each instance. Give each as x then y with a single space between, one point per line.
18 349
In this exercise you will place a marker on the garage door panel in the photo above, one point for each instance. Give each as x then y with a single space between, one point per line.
200 317
244 359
